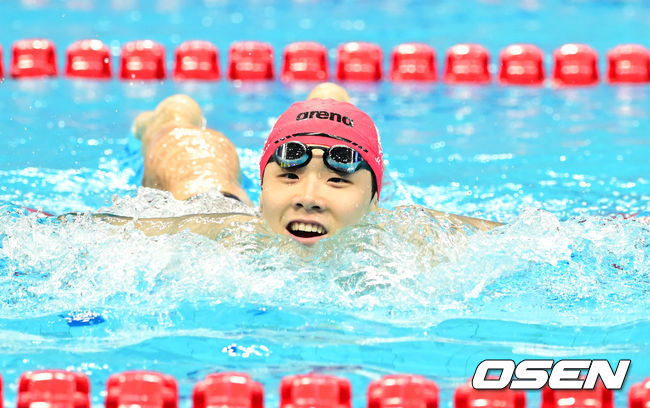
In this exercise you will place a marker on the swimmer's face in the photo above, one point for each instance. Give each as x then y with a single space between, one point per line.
314 202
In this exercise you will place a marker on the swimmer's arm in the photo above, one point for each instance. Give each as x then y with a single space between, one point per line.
460 220
204 224
478 223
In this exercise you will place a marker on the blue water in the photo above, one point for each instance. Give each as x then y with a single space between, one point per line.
565 279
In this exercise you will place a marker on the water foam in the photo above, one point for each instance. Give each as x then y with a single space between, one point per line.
403 264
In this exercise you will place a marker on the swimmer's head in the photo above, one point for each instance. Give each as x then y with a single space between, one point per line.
321 169
326 122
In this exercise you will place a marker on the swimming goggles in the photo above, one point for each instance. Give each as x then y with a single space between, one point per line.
340 158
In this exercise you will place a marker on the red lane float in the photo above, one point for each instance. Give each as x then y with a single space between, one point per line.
315 391
467 63
628 63
145 389
639 395
88 59
33 58
395 391
575 64
413 62
1 73
53 388
304 61
359 61
250 61
467 397
521 64
228 390
599 397
142 60
197 59
142 389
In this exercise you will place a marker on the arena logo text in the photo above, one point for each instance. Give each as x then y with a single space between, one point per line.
327 116
563 375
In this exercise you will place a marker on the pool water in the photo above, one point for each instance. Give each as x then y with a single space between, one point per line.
568 277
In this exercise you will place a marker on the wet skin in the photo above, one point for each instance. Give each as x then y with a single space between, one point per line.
321 199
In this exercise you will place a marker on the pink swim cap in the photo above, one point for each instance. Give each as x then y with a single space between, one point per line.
349 124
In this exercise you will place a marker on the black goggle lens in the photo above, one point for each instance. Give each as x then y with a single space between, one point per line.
344 155
292 154
344 159
339 158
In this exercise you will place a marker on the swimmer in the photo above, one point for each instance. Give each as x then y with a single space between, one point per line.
321 168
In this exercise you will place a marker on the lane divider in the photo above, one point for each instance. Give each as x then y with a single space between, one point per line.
599 397
413 62
197 60
393 391
149 389
639 394
311 390
141 389
88 59
228 390
53 388
467 63
33 58
250 61
467 397
575 64
519 64
359 61
142 60
304 61
629 63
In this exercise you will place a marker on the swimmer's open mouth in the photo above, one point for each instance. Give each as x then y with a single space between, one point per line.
306 229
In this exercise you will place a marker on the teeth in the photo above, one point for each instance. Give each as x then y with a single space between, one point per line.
301 226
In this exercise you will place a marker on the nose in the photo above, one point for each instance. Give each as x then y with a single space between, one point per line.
308 196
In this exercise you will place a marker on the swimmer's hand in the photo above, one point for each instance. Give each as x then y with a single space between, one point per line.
204 224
